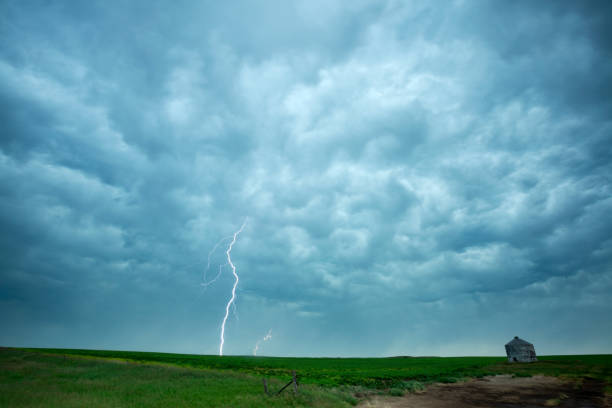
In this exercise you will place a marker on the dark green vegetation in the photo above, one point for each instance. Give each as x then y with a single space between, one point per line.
30 379
330 372
380 373
123 378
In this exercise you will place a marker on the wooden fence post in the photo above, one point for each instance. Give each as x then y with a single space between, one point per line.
292 382
295 386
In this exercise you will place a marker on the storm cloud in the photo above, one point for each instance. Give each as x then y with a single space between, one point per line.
419 178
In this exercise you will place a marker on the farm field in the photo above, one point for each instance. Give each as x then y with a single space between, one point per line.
31 379
59 377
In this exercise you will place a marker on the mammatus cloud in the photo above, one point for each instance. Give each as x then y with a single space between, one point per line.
418 180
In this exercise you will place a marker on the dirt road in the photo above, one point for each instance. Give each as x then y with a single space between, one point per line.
501 391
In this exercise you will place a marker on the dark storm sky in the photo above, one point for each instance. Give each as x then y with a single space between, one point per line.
420 178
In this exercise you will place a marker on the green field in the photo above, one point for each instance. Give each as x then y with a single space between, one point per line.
66 378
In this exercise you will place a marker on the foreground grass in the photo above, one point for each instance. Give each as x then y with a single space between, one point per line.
40 380
378 373
59 377
370 373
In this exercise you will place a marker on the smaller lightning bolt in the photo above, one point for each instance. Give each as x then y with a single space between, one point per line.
212 251
210 282
236 279
266 338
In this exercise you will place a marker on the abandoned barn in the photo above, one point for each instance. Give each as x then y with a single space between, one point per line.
520 351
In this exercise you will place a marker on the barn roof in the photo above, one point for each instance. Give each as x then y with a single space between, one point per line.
518 342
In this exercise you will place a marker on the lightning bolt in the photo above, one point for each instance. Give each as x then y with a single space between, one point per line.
236 279
210 282
266 338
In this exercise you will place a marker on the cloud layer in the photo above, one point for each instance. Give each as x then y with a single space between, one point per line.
417 179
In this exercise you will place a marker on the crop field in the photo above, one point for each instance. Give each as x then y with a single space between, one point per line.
61 377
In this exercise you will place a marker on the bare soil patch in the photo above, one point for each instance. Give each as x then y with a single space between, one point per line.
502 391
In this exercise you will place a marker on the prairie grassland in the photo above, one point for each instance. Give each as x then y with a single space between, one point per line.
63 377
30 379
372 373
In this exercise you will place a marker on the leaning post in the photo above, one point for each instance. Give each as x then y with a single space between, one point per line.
295 385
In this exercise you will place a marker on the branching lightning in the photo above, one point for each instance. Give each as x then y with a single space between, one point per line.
266 338
210 282
236 279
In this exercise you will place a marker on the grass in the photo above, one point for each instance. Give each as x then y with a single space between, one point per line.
377 373
38 380
123 378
